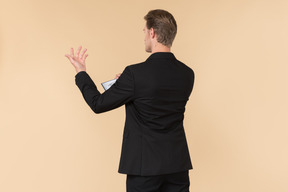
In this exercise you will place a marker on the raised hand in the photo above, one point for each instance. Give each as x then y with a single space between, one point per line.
78 60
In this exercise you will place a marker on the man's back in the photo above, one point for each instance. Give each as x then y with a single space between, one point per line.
162 88
154 140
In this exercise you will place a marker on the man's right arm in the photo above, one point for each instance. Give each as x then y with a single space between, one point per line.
120 93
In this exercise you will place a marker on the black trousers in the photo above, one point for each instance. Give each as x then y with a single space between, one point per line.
175 182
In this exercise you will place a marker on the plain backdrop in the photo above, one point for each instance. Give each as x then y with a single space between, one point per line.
235 120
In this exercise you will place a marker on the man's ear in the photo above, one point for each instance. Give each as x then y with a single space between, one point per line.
152 33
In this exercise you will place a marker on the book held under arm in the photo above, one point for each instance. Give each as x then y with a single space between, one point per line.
106 85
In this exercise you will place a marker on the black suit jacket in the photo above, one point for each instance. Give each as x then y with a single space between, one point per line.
155 93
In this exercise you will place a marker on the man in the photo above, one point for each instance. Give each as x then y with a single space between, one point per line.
155 153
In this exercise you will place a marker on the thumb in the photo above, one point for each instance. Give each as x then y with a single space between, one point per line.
70 58
118 75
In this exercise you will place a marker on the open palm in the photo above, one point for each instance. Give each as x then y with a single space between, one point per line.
78 60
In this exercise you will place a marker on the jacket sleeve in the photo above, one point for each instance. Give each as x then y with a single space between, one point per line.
120 93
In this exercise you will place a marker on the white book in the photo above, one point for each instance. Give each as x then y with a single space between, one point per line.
106 85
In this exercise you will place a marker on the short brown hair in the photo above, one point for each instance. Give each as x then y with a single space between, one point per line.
163 24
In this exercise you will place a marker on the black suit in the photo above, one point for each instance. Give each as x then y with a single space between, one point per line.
155 93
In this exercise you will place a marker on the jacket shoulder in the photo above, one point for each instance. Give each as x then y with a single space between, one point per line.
186 66
135 67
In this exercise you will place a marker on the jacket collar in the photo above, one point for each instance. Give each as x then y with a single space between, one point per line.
161 55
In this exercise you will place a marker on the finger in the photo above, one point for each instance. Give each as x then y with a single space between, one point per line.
78 51
72 52
85 57
83 53
66 55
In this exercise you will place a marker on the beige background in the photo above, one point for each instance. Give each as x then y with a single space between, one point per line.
235 120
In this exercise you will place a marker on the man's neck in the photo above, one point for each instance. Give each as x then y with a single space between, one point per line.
160 48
